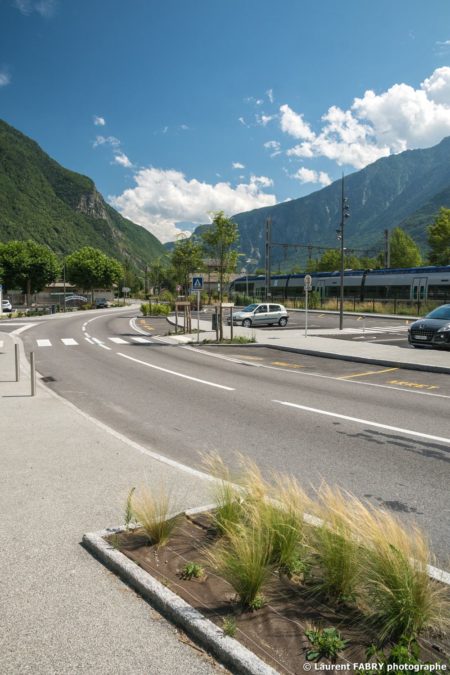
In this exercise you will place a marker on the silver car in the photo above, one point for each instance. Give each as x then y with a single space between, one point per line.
261 314
6 306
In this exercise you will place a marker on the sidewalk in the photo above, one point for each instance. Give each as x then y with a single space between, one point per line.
317 344
63 475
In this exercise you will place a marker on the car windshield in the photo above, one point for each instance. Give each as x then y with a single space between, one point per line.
440 313
250 308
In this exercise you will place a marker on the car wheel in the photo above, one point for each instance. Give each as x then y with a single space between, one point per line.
282 321
247 323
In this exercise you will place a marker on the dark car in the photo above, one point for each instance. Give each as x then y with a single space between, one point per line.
101 303
433 330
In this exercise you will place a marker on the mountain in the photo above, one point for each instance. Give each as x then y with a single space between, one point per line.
41 200
404 190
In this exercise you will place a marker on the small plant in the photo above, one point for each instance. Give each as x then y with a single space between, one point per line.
228 497
128 513
405 653
114 540
229 626
152 512
258 602
326 642
192 570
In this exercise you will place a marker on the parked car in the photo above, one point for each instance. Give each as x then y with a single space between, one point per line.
433 330
261 314
6 306
101 303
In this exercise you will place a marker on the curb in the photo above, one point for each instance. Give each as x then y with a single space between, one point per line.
227 650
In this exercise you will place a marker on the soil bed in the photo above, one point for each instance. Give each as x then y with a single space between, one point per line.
276 632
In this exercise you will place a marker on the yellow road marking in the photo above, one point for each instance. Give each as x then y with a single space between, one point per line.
285 364
359 318
413 385
369 372
249 358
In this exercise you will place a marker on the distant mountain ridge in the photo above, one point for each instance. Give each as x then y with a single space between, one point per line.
41 200
404 190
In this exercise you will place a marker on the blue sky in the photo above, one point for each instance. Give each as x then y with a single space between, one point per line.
177 108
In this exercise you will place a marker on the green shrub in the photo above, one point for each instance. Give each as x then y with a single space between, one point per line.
229 626
326 642
192 570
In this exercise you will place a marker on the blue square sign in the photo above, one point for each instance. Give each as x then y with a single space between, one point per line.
197 283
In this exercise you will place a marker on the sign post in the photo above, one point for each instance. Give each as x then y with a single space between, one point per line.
197 286
1 298
308 287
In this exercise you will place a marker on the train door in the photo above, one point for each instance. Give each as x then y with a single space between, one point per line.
319 287
419 289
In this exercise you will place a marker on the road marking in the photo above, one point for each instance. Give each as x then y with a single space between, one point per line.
368 372
141 340
118 341
44 343
286 364
89 340
1 344
378 425
173 372
99 343
23 328
69 342
413 385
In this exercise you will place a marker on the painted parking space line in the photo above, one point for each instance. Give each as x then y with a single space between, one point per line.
69 342
44 343
173 372
368 372
378 425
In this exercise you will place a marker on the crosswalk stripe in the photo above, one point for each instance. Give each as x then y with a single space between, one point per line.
1 344
69 342
118 341
142 340
44 343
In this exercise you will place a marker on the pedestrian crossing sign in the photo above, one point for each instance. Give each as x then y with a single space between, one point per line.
197 283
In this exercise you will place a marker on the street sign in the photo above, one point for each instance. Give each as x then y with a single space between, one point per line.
308 282
197 283
125 289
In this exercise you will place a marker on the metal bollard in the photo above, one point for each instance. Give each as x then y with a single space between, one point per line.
17 361
33 374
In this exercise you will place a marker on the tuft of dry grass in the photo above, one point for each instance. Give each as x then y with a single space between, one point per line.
227 496
152 509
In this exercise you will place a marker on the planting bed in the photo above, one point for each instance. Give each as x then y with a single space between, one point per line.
276 632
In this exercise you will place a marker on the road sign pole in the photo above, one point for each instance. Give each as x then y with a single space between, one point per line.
306 311
198 317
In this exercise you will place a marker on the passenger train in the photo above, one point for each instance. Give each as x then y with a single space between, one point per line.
415 283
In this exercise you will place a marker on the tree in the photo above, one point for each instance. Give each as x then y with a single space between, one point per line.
330 261
404 252
439 238
28 266
186 258
90 268
219 242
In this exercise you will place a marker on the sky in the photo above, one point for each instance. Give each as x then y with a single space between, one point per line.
179 108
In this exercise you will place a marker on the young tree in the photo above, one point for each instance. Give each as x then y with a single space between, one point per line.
186 258
219 243
90 268
404 252
28 266
439 238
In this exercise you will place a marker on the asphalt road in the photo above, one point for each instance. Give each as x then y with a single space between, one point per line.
383 435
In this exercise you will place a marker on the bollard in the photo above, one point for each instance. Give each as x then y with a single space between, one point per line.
17 361
33 374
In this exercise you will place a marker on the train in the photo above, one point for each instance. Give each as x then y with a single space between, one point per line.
412 283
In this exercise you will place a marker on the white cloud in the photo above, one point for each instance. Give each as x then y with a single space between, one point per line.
122 159
106 140
293 124
161 199
238 165
376 125
242 121
5 77
274 146
99 121
269 93
263 119
184 127
305 175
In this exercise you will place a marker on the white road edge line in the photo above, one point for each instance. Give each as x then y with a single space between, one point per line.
173 372
23 328
407 432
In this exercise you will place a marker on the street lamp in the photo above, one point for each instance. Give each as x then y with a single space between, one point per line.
345 213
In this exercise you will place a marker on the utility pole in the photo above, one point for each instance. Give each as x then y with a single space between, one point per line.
340 235
267 256
387 250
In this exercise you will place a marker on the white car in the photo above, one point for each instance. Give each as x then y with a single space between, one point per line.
6 306
261 314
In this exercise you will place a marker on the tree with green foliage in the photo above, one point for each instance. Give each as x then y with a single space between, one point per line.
28 266
186 258
439 238
90 268
404 251
330 261
219 243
